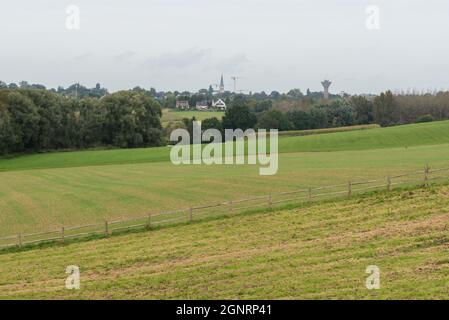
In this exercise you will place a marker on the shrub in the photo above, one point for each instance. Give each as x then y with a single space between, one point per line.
425 118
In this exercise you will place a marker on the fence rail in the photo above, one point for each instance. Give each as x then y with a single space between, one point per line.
422 177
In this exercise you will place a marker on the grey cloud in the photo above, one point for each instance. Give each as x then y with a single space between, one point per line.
124 56
82 57
278 45
234 63
179 60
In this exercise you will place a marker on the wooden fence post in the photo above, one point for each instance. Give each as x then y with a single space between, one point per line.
149 221
190 214
389 184
310 193
106 227
19 240
270 201
349 189
62 234
426 175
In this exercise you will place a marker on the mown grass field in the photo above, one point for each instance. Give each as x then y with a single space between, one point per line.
175 115
434 133
312 252
47 191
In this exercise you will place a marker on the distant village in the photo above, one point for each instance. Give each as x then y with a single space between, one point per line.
218 104
214 100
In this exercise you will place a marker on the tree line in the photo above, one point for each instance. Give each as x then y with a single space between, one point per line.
385 109
35 120
167 99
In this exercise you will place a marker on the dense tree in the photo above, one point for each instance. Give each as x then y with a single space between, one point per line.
300 120
196 98
363 108
132 120
169 101
238 115
275 95
339 113
295 93
263 105
79 91
211 123
413 106
385 109
273 119
33 120
7 135
24 121
318 119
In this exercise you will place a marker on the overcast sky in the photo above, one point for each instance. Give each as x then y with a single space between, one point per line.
188 44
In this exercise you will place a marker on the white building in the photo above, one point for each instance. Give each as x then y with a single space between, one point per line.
219 104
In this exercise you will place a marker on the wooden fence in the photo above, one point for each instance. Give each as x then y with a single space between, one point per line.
421 177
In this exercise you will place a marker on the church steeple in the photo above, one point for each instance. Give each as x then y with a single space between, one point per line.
221 84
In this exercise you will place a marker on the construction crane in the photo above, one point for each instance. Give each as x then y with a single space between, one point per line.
235 78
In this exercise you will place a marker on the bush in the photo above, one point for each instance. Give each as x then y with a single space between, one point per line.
425 118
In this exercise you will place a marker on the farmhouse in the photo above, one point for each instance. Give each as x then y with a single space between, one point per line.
219 104
182 105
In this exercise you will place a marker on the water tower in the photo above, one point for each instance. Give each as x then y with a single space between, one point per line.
326 84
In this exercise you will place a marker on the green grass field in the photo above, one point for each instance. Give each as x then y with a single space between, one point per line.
46 191
425 134
400 136
175 115
319 250
314 252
